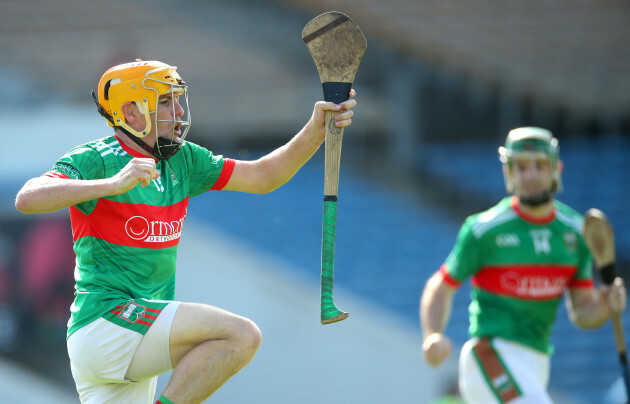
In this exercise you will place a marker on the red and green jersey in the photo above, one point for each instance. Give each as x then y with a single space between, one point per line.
520 268
126 245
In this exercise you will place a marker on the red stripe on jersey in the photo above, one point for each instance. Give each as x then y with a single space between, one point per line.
54 174
529 218
226 174
131 151
150 317
582 283
446 277
535 282
132 225
153 310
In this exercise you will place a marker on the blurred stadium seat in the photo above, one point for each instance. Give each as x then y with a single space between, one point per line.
388 244
467 71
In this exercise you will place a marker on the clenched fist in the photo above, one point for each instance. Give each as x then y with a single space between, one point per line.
436 348
615 295
138 170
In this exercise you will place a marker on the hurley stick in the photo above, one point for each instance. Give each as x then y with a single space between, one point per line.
337 45
599 236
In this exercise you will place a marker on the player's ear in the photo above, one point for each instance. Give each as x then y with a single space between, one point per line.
130 111
560 166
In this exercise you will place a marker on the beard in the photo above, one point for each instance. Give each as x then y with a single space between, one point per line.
541 198
536 200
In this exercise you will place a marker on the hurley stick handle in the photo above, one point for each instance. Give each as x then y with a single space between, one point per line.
329 313
337 45
620 343
600 239
332 157
619 333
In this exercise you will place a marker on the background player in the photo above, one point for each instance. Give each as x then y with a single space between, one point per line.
128 195
521 256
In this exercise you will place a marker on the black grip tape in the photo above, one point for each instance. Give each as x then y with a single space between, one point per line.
607 274
336 92
330 198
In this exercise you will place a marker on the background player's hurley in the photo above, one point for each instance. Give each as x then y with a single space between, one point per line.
337 45
598 235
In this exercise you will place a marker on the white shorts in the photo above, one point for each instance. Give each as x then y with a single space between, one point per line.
499 371
112 364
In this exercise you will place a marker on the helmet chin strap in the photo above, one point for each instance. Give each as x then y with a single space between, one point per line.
166 149
162 150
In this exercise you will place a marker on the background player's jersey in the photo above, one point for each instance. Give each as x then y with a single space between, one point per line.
519 268
126 245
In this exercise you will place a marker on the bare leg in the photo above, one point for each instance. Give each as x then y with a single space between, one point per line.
208 346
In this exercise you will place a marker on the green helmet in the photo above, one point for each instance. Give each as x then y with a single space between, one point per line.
529 140
532 142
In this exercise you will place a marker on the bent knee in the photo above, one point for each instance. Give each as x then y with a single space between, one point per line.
249 335
195 324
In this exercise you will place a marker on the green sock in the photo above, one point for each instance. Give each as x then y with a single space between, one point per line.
163 400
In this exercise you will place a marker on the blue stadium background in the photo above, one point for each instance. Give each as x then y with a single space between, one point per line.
439 87
397 241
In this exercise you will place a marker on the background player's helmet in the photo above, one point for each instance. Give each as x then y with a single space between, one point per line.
142 82
531 142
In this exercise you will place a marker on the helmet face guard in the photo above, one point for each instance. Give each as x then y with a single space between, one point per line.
143 83
530 157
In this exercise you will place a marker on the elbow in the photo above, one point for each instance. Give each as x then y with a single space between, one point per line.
266 184
23 204
267 189
25 201
270 177
260 188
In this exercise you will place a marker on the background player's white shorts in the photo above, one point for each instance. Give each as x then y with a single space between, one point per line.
111 364
528 367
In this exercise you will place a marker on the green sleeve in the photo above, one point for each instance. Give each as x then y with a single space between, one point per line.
585 259
585 266
205 168
464 260
81 163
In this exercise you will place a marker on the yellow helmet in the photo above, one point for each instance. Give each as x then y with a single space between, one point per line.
141 82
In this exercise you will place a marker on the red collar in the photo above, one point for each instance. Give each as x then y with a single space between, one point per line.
529 218
131 151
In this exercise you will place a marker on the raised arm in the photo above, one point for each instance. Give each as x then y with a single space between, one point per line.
435 312
47 194
590 308
276 168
